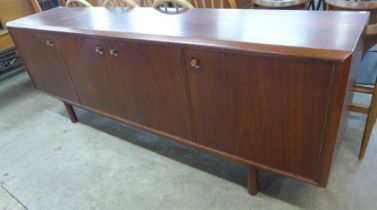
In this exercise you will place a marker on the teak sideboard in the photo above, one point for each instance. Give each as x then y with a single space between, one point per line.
268 89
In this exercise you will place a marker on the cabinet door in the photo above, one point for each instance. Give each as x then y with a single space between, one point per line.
152 86
267 110
86 59
45 64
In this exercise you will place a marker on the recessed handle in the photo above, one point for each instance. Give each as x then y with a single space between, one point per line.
113 52
99 50
195 63
49 43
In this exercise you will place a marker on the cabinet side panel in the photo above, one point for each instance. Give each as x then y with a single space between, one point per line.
342 94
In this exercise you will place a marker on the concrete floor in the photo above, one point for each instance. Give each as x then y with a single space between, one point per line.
47 163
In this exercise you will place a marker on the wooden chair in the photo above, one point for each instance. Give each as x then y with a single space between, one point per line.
147 3
119 3
179 6
214 3
92 2
36 6
77 3
366 80
283 4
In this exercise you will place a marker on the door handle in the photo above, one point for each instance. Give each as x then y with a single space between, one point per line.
195 63
113 52
49 43
99 50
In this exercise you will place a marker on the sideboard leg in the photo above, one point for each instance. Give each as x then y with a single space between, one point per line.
71 112
253 180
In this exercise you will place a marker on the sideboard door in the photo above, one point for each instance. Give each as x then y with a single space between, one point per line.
268 110
45 64
151 83
86 59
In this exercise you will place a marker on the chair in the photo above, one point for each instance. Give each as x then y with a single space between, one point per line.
147 3
36 6
366 80
214 3
283 4
77 3
179 6
119 3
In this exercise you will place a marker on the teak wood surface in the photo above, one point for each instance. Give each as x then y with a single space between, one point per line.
296 33
270 94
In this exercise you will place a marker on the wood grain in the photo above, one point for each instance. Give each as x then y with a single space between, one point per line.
91 74
265 106
71 112
152 87
5 41
276 102
295 34
13 9
252 180
46 64
10 10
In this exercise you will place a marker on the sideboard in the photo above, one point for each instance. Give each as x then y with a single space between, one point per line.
268 89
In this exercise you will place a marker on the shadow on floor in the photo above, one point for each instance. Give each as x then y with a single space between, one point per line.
11 94
278 187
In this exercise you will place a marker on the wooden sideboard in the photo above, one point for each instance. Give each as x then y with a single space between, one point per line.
264 88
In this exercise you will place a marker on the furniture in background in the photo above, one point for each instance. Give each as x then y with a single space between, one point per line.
322 3
10 60
9 10
78 3
5 40
366 79
225 86
119 3
91 2
146 3
195 3
172 6
36 6
214 4
207 3
283 4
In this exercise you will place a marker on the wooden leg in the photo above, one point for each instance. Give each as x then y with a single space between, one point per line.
71 112
253 180
372 115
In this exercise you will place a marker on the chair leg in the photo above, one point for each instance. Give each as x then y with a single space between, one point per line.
71 112
319 4
253 180
371 119
311 5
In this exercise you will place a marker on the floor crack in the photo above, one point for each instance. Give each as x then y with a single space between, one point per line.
18 201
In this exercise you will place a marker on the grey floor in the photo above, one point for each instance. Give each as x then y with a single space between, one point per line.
47 163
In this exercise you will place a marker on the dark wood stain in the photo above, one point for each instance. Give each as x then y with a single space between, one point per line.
272 101
259 108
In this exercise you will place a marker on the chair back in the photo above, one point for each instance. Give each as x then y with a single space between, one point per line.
179 6
370 39
77 3
342 5
147 3
283 4
214 3
119 3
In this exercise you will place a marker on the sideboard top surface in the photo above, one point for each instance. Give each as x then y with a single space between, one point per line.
316 34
